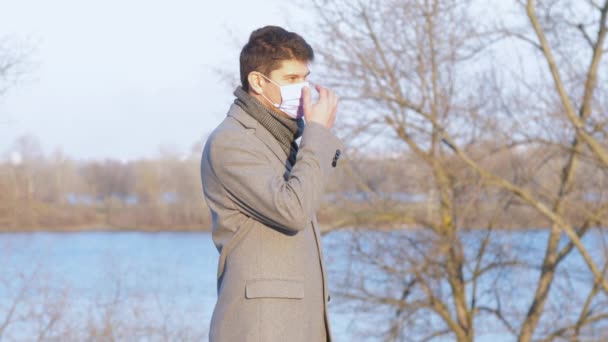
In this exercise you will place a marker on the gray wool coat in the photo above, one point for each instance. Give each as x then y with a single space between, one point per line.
271 278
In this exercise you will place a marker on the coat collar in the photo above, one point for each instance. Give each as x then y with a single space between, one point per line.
261 132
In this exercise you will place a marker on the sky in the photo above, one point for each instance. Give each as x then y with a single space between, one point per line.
125 79
131 79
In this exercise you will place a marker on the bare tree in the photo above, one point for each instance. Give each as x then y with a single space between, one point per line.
15 62
418 74
584 82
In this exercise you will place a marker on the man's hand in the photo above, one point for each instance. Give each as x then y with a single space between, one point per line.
324 111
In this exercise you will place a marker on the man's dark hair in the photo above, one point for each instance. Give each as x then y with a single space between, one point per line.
268 47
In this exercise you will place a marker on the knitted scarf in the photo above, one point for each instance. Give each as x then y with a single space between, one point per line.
284 129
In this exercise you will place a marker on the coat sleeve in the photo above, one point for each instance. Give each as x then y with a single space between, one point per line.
258 191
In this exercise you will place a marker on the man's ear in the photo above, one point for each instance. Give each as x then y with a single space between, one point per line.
255 82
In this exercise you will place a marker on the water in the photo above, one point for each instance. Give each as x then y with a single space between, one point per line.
122 279
162 286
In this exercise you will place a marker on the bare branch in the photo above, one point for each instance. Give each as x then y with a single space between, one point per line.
581 28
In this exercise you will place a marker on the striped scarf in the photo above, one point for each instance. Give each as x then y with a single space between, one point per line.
285 130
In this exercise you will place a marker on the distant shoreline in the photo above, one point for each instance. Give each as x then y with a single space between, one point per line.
110 229
103 228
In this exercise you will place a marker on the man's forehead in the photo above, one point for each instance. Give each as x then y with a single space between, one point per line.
292 67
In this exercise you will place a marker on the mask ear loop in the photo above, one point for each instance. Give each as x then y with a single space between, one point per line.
276 105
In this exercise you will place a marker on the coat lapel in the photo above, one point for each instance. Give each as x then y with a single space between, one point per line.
261 132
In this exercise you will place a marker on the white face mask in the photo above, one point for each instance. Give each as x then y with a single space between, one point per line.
291 95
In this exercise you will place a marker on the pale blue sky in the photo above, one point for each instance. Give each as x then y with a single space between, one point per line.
123 78
120 78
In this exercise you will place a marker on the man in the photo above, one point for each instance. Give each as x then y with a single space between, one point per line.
263 191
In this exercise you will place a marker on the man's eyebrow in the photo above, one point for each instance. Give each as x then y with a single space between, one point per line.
296 75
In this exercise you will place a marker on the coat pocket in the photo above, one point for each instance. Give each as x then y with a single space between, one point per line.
274 288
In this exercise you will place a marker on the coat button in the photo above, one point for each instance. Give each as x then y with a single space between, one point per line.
328 298
336 157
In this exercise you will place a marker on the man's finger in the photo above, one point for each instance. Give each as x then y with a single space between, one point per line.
335 105
322 93
306 101
334 108
318 87
334 99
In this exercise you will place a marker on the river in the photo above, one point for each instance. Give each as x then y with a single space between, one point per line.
133 285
